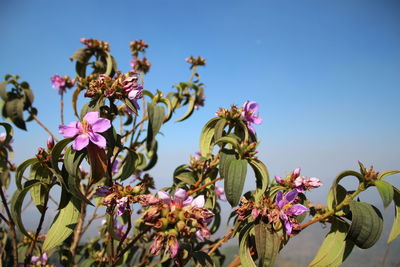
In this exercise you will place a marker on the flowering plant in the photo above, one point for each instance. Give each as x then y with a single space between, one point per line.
174 226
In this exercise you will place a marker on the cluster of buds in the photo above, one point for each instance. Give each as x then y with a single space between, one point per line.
62 83
278 213
141 65
123 85
93 43
248 150
120 197
137 47
174 218
299 183
198 163
194 62
370 174
43 156
233 114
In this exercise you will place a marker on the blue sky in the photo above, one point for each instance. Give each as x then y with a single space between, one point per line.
325 73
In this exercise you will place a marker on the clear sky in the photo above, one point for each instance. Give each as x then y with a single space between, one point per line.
325 73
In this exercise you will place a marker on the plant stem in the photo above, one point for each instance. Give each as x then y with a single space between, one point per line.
11 224
62 108
130 245
330 213
39 228
44 127
190 192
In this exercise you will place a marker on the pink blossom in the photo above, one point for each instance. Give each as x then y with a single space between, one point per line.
86 131
220 192
250 108
122 204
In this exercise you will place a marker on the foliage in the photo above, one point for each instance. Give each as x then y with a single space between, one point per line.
116 134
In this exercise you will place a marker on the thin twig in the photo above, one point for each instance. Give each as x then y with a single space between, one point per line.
38 229
190 192
11 224
62 108
130 245
44 127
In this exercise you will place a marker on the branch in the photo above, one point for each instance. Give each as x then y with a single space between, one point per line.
190 192
11 224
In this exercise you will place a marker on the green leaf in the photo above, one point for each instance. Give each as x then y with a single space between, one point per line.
225 159
82 57
63 225
110 64
129 166
16 205
395 231
385 191
366 226
56 152
267 244
75 100
72 161
21 169
203 259
14 109
169 108
156 119
98 163
93 105
38 192
387 173
219 128
129 104
189 111
244 252
340 177
332 202
234 181
9 132
187 177
262 177
335 248
207 136
3 91
228 140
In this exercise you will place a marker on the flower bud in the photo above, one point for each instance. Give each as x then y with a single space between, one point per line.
50 142
161 224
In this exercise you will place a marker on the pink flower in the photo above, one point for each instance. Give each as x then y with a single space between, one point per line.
122 204
42 260
58 82
288 209
220 192
180 199
86 131
250 108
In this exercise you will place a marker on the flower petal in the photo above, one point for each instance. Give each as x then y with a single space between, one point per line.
69 130
180 195
101 125
187 201
297 209
164 196
289 197
278 199
91 117
80 142
198 201
288 227
98 140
